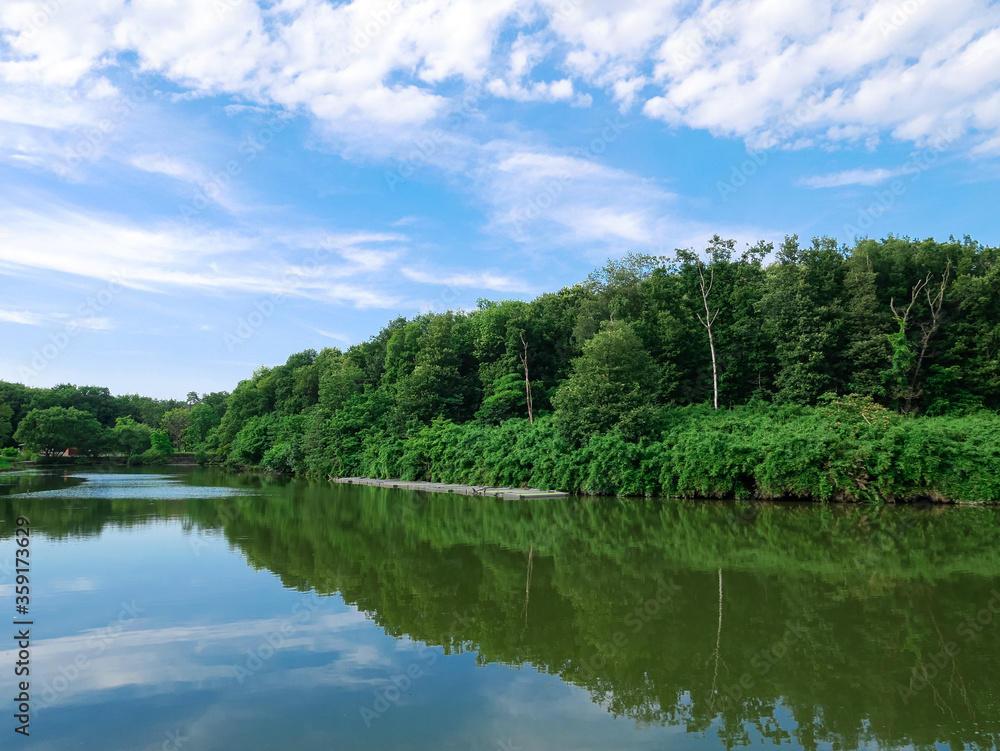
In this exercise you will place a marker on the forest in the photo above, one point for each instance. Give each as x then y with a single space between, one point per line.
864 373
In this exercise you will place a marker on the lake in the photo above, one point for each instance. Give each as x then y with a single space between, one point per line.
199 610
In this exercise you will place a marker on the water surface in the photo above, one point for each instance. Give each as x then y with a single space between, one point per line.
199 610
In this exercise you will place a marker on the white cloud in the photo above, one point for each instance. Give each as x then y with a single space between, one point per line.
571 198
773 71
476 279
21 316
328 267
851 177
170 166
765 70
333 335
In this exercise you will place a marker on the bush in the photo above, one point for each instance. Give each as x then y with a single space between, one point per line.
11 452
154 456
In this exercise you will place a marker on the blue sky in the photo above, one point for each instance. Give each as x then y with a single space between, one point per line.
190 189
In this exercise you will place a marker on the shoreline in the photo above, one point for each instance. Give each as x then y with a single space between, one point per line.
485 491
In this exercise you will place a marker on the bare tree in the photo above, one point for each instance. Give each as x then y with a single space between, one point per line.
707 322
928 327
527 380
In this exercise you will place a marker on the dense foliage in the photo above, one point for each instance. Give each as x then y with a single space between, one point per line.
857 373
94 422
824 357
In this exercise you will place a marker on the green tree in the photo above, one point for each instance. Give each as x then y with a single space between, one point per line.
611 382
133 437
6 413
53 430
176 422
203 419
160 448
803 319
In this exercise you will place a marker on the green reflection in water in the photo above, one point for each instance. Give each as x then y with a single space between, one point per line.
813 624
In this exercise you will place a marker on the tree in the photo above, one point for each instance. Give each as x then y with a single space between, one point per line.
611 382
203 418
527 382
720 251
507 398
159 441
868 354
6 413
51 431
133 437
160 448
176 423
908 359
803 319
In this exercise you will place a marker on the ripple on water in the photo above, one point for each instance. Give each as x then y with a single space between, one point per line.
139 487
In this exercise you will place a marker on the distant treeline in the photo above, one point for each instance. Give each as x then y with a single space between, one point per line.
869 372
89 419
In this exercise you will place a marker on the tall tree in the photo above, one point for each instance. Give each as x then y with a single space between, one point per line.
909 357
527 381
611 382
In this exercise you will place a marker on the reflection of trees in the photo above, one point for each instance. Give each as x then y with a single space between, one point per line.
874 594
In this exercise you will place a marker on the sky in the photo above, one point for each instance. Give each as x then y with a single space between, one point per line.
190 189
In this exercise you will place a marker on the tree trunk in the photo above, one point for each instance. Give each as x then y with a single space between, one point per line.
707 322
527 381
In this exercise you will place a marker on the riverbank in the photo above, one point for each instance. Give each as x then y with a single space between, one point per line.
486 491
753 453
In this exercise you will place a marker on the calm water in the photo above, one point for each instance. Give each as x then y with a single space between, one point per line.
201 611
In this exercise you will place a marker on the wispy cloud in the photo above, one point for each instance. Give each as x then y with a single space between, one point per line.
474 279
170 166
860 176
21 316
165 256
